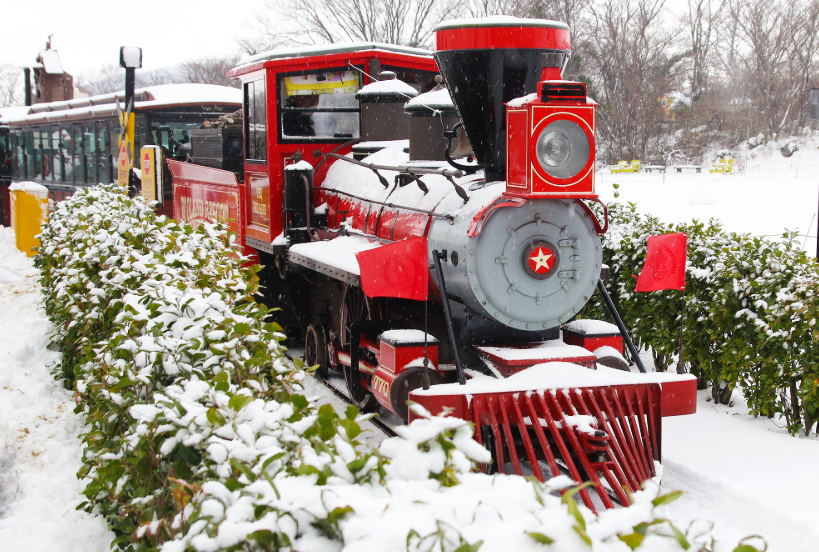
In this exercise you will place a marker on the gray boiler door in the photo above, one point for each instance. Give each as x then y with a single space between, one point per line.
532 267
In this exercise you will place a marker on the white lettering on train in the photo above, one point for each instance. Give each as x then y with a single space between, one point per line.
201 209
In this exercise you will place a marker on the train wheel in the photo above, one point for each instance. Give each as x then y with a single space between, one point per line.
357 308
315 350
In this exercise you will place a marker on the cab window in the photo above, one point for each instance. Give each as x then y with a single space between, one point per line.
319 105
422 81
255 121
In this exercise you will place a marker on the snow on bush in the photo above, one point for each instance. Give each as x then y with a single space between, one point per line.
751 312
198 438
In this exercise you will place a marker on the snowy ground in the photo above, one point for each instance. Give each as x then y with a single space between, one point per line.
769 194
746 475
39 448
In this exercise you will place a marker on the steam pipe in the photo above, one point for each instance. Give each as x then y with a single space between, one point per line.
622 327
436 256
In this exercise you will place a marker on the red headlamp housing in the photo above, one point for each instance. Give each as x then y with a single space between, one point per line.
550 148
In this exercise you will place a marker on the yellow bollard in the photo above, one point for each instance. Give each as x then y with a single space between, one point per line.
29 210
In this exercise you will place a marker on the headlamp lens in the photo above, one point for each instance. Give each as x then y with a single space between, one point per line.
553 148
563 149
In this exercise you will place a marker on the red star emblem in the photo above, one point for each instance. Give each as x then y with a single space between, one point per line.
541 260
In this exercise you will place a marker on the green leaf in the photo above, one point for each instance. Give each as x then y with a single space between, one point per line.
466 547
215 418
582 533
633 540
572 508
356 465
263 537
306 469
233 485
189 455
221 376
680 537
352 428
238 402
242 328
540 537
299 401
746 548
351 413
339 513
243 468
666 498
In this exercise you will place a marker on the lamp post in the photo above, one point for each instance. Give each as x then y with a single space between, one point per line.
130 58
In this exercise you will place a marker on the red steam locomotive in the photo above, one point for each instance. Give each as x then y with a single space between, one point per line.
357 147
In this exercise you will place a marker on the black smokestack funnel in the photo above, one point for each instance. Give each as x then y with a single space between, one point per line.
489 62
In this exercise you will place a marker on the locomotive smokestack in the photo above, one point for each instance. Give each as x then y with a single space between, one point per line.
488 62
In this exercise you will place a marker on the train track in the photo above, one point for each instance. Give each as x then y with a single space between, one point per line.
375 420
380 424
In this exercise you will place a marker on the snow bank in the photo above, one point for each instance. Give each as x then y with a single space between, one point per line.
40 450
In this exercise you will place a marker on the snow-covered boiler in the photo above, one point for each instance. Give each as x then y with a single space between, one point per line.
495 170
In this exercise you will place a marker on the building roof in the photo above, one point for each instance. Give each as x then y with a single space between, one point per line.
166 95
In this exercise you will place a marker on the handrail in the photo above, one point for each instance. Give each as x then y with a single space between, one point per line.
401 169
392 205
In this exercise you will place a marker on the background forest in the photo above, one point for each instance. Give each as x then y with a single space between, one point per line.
673 87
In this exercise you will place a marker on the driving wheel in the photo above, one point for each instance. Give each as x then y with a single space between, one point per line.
356 307
315 350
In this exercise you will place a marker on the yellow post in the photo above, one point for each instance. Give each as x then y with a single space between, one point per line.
29 209
126 149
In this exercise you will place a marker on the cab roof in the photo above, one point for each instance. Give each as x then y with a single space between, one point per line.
257 61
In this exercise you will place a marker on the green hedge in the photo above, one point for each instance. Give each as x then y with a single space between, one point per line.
751 312
199 439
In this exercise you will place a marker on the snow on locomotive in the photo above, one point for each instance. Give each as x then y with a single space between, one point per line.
352 148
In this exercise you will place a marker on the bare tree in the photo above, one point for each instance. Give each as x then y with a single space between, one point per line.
632 64
304 22
805 50
11 84
767 33
157 77
574 13
103 80
210 71
700 22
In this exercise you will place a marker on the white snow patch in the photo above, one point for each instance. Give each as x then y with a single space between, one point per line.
39 433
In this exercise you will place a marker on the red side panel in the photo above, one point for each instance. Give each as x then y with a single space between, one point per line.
679 397
386 224
593 342
202 194
410 224
517 152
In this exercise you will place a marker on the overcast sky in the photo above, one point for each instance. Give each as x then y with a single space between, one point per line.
88 33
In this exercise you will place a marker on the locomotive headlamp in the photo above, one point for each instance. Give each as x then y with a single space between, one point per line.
550 142
562 149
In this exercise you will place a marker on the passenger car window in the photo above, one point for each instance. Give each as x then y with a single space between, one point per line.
319 105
